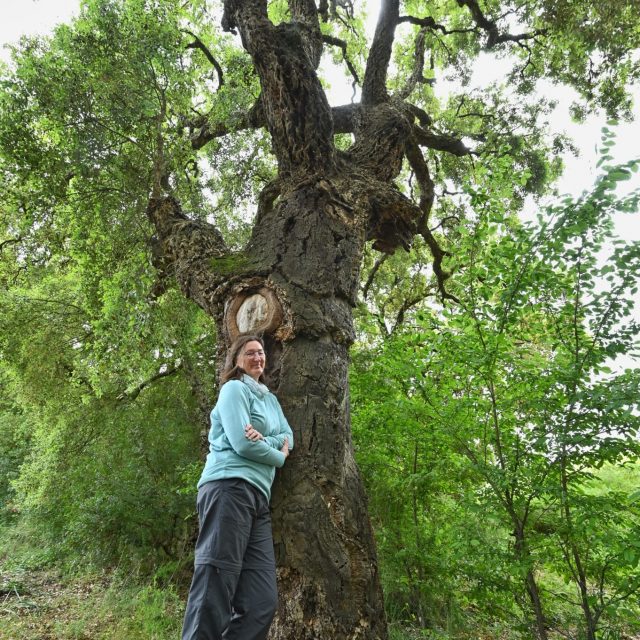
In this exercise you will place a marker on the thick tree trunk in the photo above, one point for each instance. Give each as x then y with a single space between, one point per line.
328 578
305 252
328 581
304 257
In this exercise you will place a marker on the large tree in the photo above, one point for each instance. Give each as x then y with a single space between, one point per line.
164 125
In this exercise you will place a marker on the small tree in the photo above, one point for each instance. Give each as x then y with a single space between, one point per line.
517 381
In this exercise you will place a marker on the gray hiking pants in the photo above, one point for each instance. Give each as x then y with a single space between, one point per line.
233 594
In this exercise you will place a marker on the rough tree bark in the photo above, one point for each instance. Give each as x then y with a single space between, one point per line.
306 248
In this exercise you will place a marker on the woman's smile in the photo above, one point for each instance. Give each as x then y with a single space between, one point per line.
252 359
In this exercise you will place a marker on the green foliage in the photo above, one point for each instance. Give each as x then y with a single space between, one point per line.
496 436
67 489
113 606
102 416
487 431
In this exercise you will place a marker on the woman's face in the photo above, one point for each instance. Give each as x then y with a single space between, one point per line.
251 358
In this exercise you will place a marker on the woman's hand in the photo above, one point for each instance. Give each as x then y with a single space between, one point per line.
285 448
252 434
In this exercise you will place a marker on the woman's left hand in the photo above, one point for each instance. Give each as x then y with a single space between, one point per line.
252 434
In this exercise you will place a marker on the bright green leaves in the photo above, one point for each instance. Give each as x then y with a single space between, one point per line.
513 407
103 375
591 47
109 405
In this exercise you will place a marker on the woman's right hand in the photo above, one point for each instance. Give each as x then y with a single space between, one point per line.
285 448
252 434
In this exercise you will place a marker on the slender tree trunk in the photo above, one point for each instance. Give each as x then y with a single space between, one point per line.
534 597
521 547
578 571
531 586
415 589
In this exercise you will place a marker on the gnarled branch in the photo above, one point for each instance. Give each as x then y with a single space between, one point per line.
374 88
425 183
392 218
295 106
380 132
372 274
430 23
494 36
418 69
198 44
337 42
427 194
6 243
343 122
305 15
404 307
421 115
191 250
441 142
253 119
343 118
438 255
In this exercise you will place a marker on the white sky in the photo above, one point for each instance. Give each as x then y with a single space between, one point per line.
32 17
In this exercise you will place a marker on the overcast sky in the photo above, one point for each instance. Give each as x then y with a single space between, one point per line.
32 17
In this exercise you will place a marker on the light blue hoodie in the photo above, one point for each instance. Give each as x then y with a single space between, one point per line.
231 453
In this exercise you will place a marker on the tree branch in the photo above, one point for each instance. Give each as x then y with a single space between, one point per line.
421 115
305 15
480 19
425 183
134 393
374 88
494 37
427 195
193 251
372 274
520 37
380 134
337 42
343 122
392 217
441 142
198 44
295 106
253 119
404 307
430 23
417 73
60 303
9 241
343 118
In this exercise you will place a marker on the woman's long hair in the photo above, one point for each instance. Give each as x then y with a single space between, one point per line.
231 370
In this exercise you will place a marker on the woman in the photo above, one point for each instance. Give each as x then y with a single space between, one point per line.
233 594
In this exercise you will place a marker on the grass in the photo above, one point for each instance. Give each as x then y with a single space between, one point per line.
45 605
40 601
